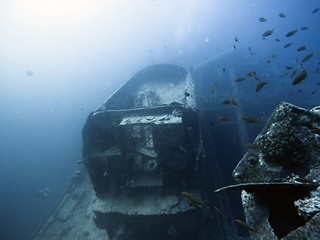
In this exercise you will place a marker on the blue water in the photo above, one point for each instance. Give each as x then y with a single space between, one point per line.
60 60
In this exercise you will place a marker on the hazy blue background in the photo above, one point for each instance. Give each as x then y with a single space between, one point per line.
81 51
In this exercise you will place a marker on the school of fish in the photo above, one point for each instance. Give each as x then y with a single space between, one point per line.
297 69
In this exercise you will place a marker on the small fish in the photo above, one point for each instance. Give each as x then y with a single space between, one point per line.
315 10
300 91
293 73
249 119
307 57
236 39
304 28
262 19
274 55
313 92
223 70
211 123
267 33
282 15
254 146
301 48
186 94
291 33
230 101
239 79
233 102
226 101
260 85
277 39
318 70
224 118
249 48
193 201
284 74
43 193
315 130
29 73
289 67
288 45
234 46
300 78
243 224
268 61
219 211
182 149
307 181
253 74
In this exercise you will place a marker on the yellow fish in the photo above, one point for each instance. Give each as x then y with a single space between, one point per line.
243 224
193 201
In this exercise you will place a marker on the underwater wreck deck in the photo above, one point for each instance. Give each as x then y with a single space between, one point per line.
72 217
141 149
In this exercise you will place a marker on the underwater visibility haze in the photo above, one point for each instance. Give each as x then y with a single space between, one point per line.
60 60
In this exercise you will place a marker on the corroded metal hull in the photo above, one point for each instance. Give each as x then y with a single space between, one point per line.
142 149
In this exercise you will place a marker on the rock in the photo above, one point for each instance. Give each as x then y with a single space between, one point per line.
280 179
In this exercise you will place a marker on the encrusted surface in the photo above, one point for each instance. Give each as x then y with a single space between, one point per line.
286 147
286 151
309 206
